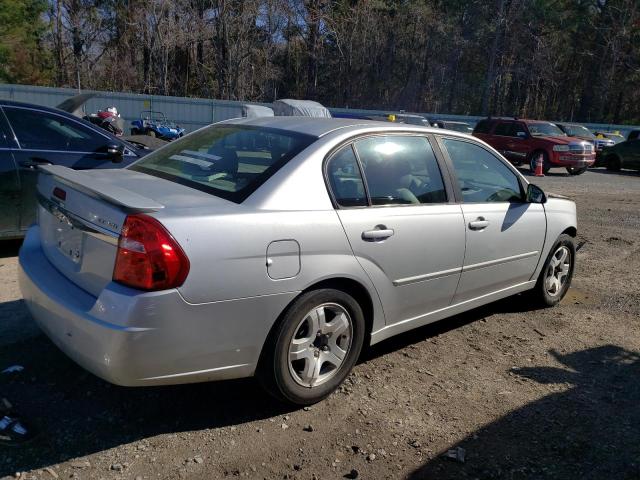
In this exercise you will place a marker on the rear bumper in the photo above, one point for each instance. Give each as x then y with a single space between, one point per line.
137 338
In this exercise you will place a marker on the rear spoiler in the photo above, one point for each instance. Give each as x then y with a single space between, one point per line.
90 185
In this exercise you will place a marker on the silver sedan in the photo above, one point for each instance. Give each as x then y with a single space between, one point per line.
281 247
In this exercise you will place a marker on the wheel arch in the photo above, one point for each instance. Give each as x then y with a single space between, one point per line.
571 231
538 150
348 285
354 288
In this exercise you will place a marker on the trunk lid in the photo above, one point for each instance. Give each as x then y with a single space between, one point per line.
81 213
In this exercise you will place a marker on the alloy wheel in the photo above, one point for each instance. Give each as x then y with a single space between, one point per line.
320 344
557 271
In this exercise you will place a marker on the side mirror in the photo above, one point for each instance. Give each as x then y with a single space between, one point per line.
115 152
535 194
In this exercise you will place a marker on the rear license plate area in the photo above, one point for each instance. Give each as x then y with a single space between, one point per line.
68 238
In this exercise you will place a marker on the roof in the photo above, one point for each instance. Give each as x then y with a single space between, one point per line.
319 127
13 103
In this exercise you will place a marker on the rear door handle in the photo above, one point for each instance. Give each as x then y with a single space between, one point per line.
33 163
377 234
479 223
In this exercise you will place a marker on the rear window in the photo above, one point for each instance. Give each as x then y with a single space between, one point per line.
229 161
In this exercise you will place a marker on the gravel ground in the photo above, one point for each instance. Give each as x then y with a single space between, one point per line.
500 392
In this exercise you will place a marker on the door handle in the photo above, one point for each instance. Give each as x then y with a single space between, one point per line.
479 223
379 233
33 163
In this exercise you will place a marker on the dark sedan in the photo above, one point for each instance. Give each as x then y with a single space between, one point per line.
32 135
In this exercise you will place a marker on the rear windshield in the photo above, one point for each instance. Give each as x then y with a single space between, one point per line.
229 161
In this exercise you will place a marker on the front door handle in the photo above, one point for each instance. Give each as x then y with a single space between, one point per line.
380 233
479 223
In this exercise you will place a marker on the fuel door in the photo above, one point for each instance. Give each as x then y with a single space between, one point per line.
283 259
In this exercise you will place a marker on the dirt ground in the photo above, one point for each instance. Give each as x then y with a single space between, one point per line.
522 393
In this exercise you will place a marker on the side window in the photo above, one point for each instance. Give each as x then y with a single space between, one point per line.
400 170
504 129
482 176
483 126
519 130
345 179
43 131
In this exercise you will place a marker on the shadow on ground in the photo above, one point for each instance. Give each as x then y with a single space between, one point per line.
624 173
589 429
9 248
78 414
514 304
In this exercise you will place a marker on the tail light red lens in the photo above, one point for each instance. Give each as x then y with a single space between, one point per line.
148 257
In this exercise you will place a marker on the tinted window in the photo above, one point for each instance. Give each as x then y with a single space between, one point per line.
504 128
229 161
519 130
400 170
44 131
482 177
483 126
345 179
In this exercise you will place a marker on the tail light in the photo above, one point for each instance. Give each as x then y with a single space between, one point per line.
148 257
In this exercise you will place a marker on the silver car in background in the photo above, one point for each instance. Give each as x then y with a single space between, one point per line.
280 247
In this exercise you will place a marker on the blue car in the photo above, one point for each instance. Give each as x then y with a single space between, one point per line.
155 124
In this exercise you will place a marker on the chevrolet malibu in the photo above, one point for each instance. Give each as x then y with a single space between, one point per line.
280 247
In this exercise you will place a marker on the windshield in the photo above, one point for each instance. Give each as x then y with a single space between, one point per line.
413 120
578 131
545 129
229 161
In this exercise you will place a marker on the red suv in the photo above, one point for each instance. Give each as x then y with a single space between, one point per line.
523 141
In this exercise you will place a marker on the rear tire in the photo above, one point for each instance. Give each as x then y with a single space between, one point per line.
556 274
313 348
576 171
613 163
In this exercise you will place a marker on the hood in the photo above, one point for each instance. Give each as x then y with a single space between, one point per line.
562 140
585 138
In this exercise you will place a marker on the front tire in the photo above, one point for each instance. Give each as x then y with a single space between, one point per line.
313 348
613 163
557 273
576 170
